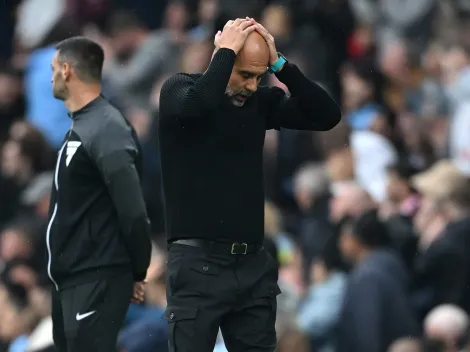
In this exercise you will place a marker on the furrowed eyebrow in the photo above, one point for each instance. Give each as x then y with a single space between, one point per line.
251 74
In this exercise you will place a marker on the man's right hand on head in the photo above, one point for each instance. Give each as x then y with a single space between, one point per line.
234 34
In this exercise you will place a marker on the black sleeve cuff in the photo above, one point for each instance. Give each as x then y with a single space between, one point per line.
288 70
225 54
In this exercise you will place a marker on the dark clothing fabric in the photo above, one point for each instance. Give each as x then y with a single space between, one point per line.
207 289
98 222
376 310
404 239
9 206
47 349
7 28
442 272
88 317
316 221
315 230
270 246
212 151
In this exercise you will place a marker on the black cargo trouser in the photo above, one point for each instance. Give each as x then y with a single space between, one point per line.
208 290
88 317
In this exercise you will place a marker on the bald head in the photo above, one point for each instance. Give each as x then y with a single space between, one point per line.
446 322
350 199
255 50
250 65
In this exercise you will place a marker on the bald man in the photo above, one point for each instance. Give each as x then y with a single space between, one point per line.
211 132
447 324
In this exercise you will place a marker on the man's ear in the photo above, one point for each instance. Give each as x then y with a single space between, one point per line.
66 71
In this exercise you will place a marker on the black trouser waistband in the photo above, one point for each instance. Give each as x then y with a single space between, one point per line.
234 248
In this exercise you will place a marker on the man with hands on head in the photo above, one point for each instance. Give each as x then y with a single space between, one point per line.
211 130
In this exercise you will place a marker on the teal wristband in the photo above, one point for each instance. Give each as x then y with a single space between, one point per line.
278 64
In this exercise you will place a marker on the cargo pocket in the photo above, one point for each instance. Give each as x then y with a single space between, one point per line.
181 326
264 297
268 293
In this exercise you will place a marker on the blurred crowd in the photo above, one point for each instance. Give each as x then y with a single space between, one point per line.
369 222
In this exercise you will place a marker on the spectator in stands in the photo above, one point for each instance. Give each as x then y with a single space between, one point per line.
17 319
16 242
376 310
11 100
311 190
370 128
456 69
319 312
399 209
349 199
448 326
137 57
360 83
25 155
280 246
442 270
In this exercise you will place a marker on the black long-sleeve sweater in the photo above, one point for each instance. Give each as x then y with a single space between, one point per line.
212 150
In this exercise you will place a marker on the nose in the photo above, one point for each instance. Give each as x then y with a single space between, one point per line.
252 85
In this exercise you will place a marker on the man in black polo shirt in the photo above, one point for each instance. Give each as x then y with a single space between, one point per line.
212 129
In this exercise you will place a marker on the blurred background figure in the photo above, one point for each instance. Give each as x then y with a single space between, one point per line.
442 266
349 200
406 345
319 311
400 72
447 325
376 311
400 208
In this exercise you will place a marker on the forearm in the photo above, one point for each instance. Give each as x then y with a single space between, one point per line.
314 104
124 188
116 153
210 88
186 98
